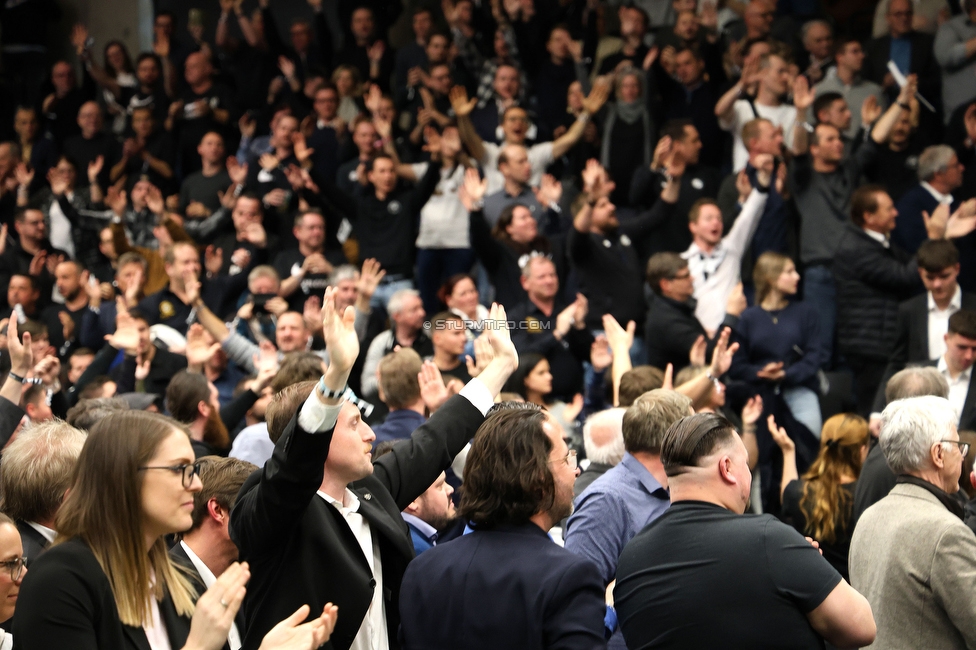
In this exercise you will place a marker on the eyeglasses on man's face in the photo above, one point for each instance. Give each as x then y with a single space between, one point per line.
570 459
187 471
963 446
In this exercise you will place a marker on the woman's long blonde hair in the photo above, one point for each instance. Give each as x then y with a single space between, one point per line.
825 503
104 508
766 272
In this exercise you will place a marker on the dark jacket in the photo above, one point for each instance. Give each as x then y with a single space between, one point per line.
671 329
163 366
912 341
541 595
909 232
178 555
66 601
34 543
565 356
301 549
923 63
609 267
871 282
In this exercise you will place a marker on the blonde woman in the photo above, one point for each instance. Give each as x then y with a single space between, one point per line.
820 504
108 582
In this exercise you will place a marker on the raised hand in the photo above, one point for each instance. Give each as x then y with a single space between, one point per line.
460 103
661 152
963 221
482 356
266 362
268 162
500 338
935 224
339 333
597 97
780 437
287 67
59 184
752 411
722 355
302 151
191 286
473 190
67 324
154 200
969 119
736 302
375 51
213 259
199 350
236 171
432 389
25 176
21 353
312 313
803 95
79 36
620 339
650 58
592 176
870 111
374 96
549 191
95 168
369 278
697 353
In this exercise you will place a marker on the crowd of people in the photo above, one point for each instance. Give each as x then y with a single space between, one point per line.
326 328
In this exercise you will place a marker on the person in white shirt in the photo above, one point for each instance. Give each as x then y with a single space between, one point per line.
206 550
770 74
956 365
715 261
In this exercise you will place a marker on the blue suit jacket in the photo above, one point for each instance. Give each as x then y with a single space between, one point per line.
909 232
509 587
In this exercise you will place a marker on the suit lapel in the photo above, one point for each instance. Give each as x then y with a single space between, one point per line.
137 637
922 327
381 522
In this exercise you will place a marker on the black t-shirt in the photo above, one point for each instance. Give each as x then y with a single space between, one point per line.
835 552
289 263
197 187
700 576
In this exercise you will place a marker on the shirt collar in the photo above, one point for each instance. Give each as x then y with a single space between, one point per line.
954 305
694 250
943 368
646 479
878 237
422 526
936 194
348 497
48 533
206 574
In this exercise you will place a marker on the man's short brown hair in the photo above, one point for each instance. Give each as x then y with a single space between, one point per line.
865 201
936 255
663 266
963 323
696 208
222 479
284 405
647 420
398 377
692 438
297 367
637 381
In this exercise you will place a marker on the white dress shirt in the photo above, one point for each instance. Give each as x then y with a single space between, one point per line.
936 194
234 636
878 237
938 323
48 533
958 387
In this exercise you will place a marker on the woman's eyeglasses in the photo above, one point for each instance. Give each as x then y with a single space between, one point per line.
188 471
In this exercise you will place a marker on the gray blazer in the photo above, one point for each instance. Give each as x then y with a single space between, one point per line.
915 562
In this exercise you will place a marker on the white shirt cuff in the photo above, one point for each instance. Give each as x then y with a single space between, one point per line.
316 417
479 395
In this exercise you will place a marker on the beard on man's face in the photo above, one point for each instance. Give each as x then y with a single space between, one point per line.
215 431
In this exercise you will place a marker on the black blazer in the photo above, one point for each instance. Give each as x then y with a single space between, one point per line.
923 64
179 557
34 543
511 587
300 548
912 344
66 602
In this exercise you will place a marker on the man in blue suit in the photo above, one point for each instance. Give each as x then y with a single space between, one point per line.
507 585
939 173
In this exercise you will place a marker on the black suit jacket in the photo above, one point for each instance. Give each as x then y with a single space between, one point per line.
300 548
923 64
66 602
179 556
912 344
509 587
34 543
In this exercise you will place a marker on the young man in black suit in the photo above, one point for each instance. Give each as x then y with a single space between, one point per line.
321 523
206 550
924 320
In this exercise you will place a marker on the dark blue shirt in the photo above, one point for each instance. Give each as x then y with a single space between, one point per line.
790 335
399 424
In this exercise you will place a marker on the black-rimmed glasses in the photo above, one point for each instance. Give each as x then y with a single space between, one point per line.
187 471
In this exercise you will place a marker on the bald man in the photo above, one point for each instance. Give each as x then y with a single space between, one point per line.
92 142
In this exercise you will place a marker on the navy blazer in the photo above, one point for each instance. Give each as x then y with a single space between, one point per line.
509 587
300 548
66 601
33 542
909 232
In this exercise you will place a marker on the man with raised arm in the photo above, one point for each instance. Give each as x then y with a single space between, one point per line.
321 522
515 126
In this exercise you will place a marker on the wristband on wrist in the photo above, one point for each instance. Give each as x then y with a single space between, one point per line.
905 106
16 377
327 393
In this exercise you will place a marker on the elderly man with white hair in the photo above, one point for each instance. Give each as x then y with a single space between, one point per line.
911 555
603 442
